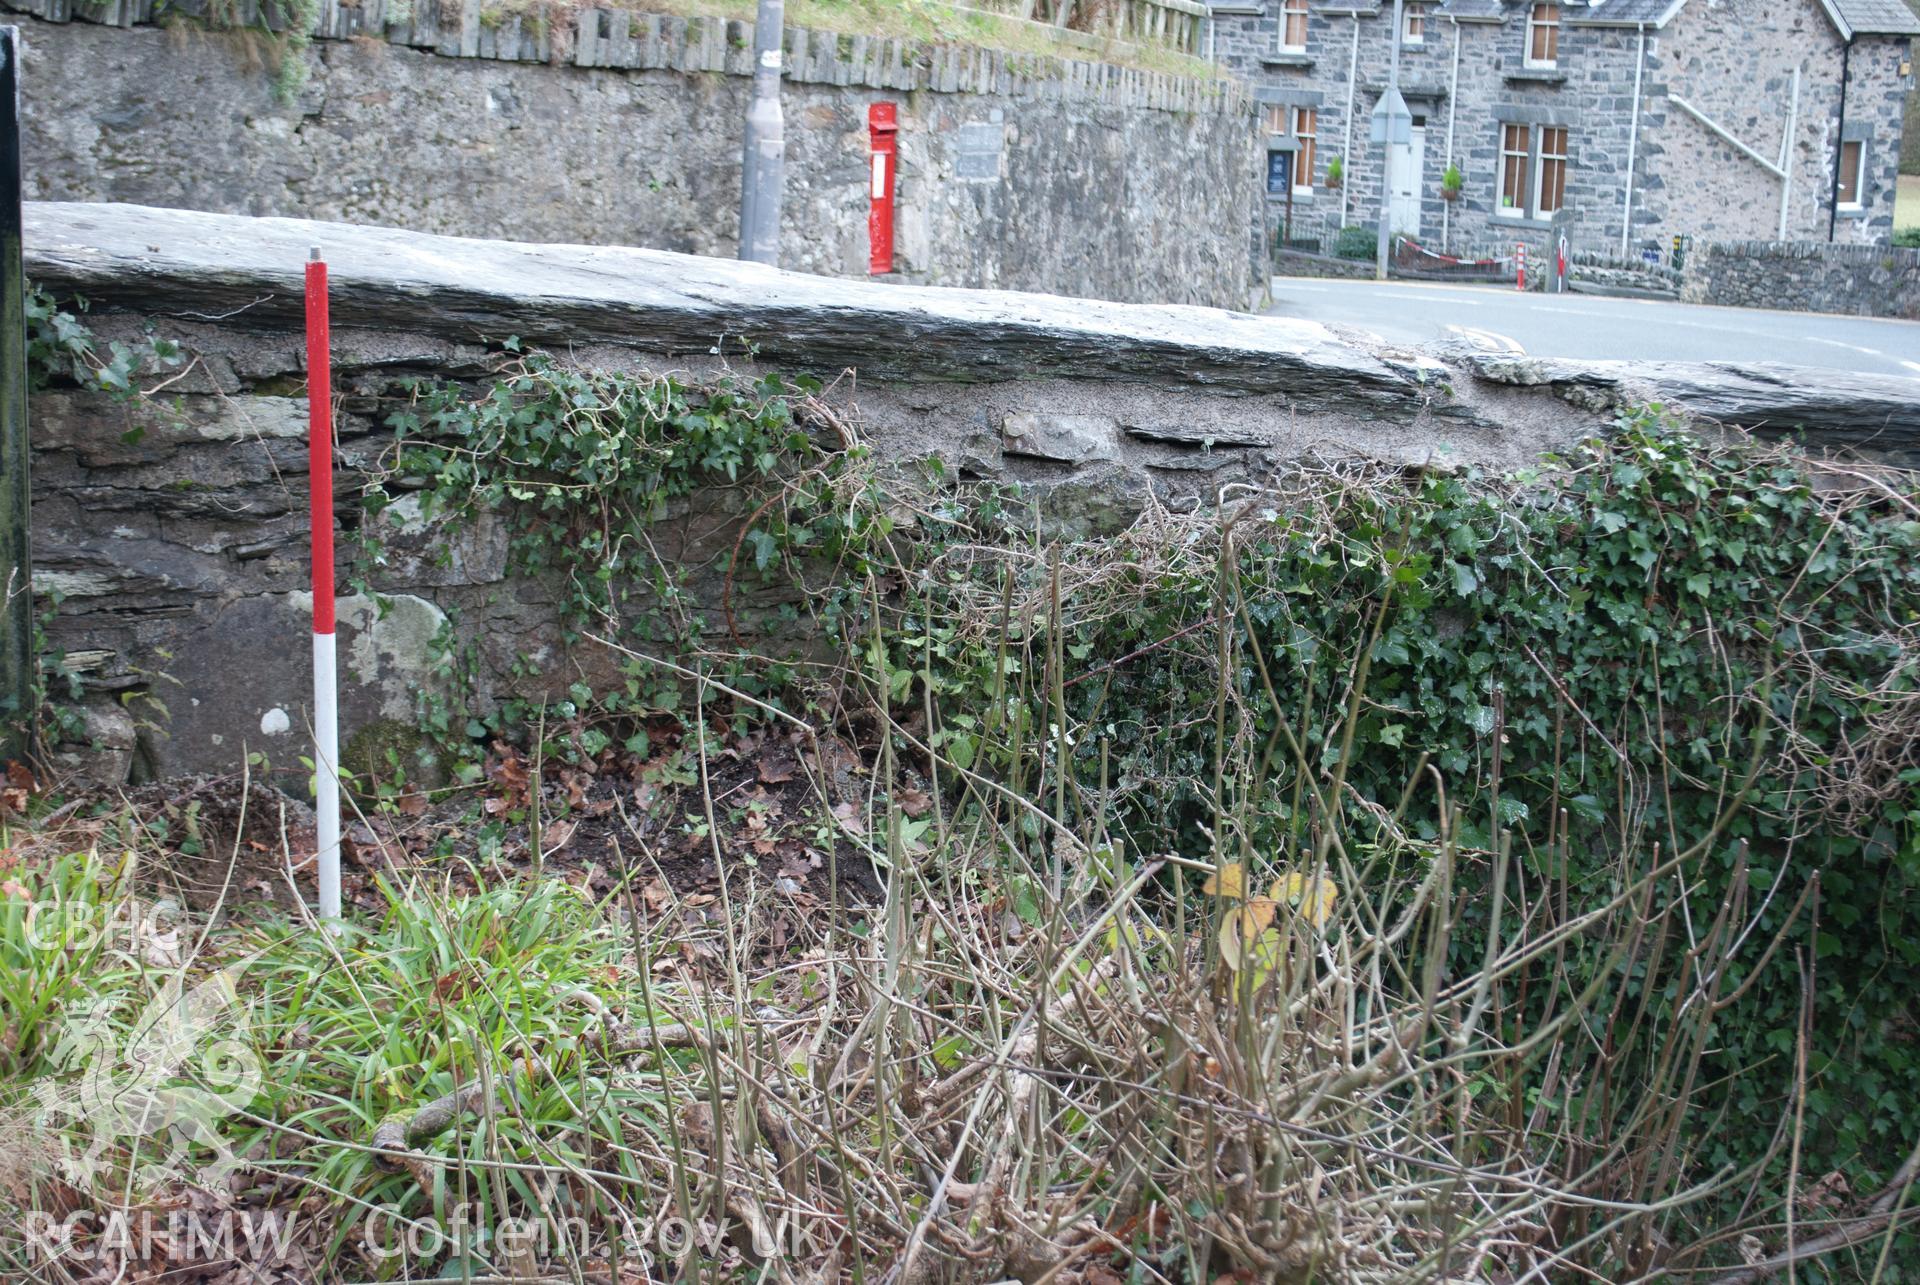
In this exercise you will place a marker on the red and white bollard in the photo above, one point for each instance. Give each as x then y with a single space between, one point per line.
326 708
1520 258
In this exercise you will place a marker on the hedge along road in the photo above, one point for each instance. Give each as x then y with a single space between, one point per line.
1491 319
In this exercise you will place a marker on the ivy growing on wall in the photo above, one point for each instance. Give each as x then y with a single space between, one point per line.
584 465
62 348
1654 644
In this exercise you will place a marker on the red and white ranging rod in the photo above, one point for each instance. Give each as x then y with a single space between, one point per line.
326 708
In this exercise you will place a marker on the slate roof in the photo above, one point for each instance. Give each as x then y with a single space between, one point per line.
1873 17
1472 10
1654 13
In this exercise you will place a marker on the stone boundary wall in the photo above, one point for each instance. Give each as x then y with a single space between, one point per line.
1806 276
1610 273
1299 263
1015 171
176 531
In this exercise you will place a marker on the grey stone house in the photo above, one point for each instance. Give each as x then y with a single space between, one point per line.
1623 123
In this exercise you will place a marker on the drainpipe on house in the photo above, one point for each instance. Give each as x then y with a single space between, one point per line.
1633 145
1839 141
1786 154
1353 76
1453 110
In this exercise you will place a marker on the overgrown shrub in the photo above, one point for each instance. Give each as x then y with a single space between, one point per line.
1654 642
1355 242
1656 645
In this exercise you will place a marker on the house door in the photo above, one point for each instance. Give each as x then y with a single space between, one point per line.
1407 165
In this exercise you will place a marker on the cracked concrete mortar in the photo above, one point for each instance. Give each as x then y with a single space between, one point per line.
177 531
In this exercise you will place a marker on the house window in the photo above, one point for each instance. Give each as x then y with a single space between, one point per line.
1515 153
1853 157
1276 118
1551 173
1306 130
1543 36
1416 29
1293 26
1533 171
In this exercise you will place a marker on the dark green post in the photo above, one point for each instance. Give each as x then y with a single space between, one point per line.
16 620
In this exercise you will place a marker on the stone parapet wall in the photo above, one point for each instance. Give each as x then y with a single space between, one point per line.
1806 276
1296 263
175 531
606 127
1610 274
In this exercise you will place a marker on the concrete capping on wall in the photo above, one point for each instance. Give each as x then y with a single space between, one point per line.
1806 276
621 38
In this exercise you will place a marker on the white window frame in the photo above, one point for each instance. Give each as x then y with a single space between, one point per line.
1536 23
1311 153
1535 157
1414 30
1859 201
1540 157
1290 9
1519 210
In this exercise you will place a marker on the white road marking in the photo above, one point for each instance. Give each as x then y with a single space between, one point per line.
1428 298
1912 365
1487 340
1835 343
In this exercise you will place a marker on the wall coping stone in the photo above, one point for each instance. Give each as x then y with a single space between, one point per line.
236 269
191 262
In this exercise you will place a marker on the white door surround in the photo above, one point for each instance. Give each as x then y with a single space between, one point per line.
1407 164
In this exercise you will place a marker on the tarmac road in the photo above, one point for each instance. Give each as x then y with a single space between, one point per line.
1493 319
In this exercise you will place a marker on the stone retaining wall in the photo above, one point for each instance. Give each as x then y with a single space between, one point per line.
175 533
1297 263
606 127
1867 281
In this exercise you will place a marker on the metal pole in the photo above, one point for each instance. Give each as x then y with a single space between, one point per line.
1633 146
16 564
764 158
1386 168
